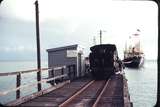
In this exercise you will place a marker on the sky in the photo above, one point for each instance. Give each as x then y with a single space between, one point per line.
68 22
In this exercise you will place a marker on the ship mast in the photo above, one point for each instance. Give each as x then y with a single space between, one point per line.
125 46
137 45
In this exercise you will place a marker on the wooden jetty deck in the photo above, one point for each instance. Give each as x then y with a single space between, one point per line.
114 95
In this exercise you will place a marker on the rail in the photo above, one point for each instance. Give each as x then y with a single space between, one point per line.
76 94
100 95
19 78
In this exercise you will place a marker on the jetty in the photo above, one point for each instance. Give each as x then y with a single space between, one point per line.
72 90
71 83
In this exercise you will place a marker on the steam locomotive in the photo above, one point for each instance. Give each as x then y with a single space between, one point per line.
104 61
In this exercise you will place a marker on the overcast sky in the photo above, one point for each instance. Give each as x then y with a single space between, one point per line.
68 22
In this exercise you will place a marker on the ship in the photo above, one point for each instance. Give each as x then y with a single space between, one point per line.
133 53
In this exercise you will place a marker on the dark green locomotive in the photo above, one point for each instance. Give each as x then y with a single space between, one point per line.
104 61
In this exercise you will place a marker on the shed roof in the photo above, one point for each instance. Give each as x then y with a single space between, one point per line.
62 48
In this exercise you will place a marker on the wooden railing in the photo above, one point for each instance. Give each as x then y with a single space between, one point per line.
53 78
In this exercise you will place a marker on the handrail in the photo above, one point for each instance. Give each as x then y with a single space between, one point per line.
33 84
18 79
28 71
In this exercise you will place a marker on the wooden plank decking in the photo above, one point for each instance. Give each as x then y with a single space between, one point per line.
116 94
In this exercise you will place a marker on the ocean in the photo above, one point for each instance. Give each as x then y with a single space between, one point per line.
142 83
9 82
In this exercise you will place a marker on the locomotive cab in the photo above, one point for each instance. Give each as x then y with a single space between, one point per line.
103 61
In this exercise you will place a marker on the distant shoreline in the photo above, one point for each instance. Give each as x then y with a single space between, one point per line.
21 60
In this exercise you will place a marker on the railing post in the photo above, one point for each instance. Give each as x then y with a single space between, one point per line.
62 71
69 71
53 75
74 70
18 85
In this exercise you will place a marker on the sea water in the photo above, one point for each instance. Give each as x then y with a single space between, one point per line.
9 82
142 83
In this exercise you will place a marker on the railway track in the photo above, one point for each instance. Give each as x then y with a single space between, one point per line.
113 95
85 93
88 96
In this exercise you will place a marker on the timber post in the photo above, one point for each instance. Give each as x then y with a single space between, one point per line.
62 72
53 75
38 46
74 70
18 80
69 72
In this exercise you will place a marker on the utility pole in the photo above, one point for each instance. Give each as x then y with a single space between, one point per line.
38 46
1 1
101 36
